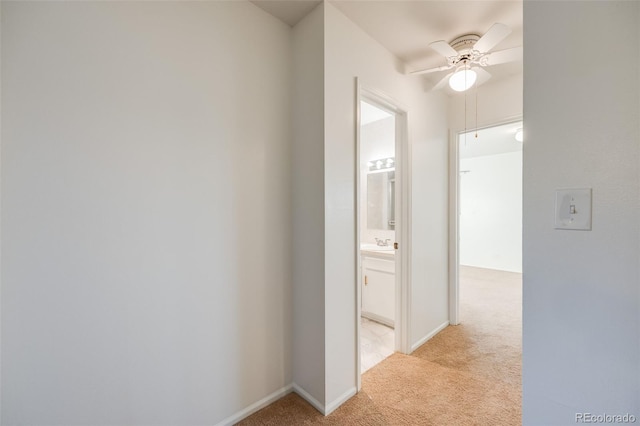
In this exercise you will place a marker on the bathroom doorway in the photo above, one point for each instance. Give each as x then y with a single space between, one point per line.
381 186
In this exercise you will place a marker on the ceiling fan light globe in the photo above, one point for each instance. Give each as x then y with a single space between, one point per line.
462 80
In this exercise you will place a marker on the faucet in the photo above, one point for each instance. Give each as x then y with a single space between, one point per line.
382 243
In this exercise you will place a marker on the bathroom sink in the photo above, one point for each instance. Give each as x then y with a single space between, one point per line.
375 247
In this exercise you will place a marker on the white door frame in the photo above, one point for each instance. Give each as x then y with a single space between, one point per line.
403 222
454 214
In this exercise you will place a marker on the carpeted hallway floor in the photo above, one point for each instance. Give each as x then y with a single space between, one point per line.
468 374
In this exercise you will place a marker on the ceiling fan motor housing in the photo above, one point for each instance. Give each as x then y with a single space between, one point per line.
464 46
464 42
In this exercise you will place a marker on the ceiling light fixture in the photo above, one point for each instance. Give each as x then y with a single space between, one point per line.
519 135
463 79
381 164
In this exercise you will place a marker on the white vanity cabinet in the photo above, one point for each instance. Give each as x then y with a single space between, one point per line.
379 286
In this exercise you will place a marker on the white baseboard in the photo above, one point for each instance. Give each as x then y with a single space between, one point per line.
325 410
328 408
240 415
311 400
429 336
331 407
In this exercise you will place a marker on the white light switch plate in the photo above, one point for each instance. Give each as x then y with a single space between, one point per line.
573 209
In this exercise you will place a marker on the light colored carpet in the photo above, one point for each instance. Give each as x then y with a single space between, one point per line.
468 374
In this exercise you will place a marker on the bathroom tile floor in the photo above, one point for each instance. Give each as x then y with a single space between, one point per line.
377 342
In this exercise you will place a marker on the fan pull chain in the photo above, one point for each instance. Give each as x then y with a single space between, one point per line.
476 110
465 110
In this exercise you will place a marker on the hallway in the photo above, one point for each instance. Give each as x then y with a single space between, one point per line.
468 374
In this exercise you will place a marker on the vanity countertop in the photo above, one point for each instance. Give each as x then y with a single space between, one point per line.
384 252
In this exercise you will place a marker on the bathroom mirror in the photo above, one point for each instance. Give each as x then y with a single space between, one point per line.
381 200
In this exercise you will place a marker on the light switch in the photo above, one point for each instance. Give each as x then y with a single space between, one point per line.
573 209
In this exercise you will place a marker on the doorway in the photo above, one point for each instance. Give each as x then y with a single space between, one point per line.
486 214
382 229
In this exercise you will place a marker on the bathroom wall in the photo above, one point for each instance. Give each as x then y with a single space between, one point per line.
146 212
377 140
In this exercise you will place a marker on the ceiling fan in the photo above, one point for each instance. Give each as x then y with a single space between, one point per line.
469 54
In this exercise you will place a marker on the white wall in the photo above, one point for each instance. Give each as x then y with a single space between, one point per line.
1 361
428 139
146 238
581 294
377 140
498 101
349 52
308 208
491 211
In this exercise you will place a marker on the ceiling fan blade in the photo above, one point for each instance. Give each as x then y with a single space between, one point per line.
482 75
443 82
443 48
504 56
431 70
495 35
